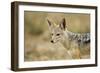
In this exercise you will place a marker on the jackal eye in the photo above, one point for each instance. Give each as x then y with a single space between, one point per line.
58 34
51 33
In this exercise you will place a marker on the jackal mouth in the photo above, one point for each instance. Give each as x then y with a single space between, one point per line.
52 41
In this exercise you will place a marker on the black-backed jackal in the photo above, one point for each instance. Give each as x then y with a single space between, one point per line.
73 42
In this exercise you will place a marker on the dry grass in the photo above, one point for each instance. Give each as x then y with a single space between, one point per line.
37 38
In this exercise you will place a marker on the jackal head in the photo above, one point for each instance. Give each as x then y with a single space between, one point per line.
57 31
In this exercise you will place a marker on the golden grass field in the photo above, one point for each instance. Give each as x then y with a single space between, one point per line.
37 36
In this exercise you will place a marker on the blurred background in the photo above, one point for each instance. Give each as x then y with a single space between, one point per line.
37 35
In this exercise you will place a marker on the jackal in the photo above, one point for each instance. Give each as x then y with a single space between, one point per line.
72 41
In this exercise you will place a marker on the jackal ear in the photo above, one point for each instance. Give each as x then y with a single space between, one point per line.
63 24
50 25
49 22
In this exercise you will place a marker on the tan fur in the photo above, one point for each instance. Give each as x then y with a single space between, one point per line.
71 46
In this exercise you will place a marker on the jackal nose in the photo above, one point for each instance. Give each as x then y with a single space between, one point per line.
52 41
